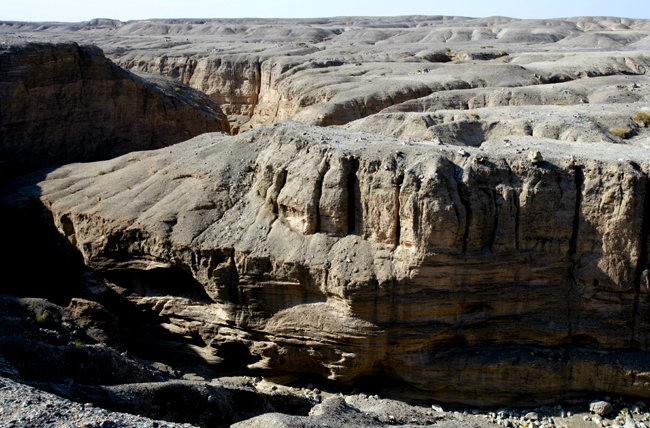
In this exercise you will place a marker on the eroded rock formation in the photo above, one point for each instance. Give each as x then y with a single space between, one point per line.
479 277
63 103
469 223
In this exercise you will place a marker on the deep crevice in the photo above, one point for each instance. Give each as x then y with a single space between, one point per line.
517 220
495 223
280 181
258 88
397 226
318 191
468 215
642 262
573 242
573 245
352 195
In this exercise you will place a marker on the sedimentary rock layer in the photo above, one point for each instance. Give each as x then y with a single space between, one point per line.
478 275
334 71
62 103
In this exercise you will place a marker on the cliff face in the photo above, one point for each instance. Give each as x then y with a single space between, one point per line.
472 277
63 103
463 266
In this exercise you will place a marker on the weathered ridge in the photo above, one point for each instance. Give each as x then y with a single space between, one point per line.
441 209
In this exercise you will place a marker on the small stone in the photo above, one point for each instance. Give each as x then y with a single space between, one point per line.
531 416
535 157
437 408
600 407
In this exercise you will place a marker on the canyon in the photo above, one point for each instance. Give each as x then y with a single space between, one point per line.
437 209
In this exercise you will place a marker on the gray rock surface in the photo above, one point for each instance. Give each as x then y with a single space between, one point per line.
63 103
342 412
23 406
600 407
468 221
347 255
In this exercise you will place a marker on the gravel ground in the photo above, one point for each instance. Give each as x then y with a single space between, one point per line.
24 406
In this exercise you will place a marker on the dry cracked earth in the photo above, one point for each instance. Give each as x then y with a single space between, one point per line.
325 222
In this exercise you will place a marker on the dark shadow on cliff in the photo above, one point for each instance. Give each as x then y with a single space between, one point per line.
47 344
37 260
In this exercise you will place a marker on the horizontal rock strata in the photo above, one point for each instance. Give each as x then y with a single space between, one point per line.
482 276
63 103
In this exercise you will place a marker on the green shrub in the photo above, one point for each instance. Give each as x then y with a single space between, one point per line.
619 132
43 317
79 342
642 117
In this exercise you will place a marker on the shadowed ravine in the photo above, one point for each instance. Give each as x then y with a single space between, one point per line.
444 210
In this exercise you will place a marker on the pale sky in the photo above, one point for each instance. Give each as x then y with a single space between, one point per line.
74 11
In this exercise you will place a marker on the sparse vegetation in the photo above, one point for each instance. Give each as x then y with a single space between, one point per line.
79 342
101 172
619 132
177 89
43 317
642 117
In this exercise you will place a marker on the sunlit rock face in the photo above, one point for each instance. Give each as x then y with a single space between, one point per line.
350 255
455 208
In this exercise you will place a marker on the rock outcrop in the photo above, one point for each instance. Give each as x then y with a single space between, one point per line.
63 103
468 221
473 276
339 70
44 345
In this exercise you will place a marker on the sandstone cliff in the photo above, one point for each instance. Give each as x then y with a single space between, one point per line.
480 276
62 103
418 239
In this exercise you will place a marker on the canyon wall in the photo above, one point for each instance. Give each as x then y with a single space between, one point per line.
468 222
63 103
484 279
